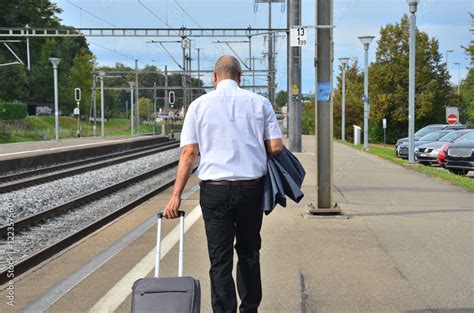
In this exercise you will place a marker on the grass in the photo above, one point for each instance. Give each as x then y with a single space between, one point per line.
35 128
388 153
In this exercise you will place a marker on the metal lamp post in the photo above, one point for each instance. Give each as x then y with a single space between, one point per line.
413 4
102 130
55 62
459 76
344 62
366 40
447 54
94 100
132 85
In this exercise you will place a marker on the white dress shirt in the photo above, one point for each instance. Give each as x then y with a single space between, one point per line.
230 125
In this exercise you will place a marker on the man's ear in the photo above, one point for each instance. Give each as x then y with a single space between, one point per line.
215 79
239 77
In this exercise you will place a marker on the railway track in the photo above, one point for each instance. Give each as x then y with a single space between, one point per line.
39 176
24 224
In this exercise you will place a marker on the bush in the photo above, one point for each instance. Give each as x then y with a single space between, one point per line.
12 111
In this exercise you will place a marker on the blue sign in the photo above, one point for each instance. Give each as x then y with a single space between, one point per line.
324 91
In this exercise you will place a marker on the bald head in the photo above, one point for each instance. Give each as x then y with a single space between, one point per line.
227 67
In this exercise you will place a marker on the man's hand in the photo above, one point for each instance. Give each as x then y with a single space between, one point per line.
171 209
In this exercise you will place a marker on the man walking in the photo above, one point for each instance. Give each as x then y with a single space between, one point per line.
231 128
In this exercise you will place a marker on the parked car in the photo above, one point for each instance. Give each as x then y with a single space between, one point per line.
402 150
460 157
426 130
468 135
428 153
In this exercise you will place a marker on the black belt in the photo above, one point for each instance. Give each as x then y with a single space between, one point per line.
252 182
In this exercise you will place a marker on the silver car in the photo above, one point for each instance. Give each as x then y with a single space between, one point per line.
428 153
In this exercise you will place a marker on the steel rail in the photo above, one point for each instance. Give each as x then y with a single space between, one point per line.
43 175
45 254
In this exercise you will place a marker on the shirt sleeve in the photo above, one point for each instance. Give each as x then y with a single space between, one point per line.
272 129
188 133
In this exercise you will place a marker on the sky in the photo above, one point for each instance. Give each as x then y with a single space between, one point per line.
446 20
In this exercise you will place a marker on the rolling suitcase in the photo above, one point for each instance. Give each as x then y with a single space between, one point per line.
167 294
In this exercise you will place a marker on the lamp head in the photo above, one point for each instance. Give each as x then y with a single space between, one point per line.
101 74
366 40
55 62
413 4
344 61
132 84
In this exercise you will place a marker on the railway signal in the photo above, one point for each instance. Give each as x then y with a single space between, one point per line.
171 97
77 112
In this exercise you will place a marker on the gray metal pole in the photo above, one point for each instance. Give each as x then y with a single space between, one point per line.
137 105
94 103
459 77
28 61
55 62
166 91
132 126
295 87
343 122
366 98
271 95
102 128
199 63
183 80
324 14
411 81
154 108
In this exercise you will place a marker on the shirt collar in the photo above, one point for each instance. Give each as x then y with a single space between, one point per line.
227 83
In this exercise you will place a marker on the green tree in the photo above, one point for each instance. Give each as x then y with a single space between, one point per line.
354 104
281 98
467 90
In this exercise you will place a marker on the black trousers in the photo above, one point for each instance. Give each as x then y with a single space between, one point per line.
233 212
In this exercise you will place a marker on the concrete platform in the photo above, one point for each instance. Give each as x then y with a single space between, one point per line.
24 149
407 247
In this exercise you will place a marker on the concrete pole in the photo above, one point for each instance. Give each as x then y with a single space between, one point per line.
131 108
55 62
94 100
294 127
102 128
411 82
324 20
137 97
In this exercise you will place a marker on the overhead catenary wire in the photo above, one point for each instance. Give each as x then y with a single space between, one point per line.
90 13
187 14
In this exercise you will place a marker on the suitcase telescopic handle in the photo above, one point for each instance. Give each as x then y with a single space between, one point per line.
181 215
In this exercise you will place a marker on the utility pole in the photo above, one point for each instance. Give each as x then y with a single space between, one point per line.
343 115
294 101
183 79
323 100
137 97
199 62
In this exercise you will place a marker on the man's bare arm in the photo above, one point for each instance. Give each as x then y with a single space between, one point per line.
274 146
188 157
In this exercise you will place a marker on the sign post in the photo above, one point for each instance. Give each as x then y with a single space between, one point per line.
452 115
77 112
384 125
